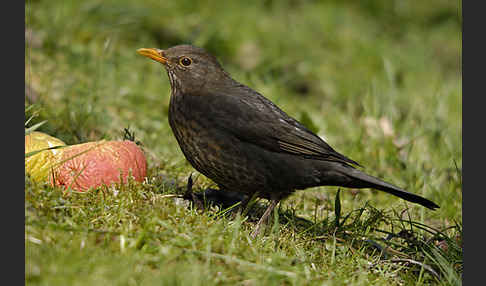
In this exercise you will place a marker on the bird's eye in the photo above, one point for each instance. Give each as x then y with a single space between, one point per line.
185 61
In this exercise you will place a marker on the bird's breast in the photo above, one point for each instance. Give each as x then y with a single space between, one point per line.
215 153
192 133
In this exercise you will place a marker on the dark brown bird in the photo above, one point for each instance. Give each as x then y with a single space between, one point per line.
244 142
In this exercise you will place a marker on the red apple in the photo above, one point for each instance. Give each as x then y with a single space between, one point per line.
93 164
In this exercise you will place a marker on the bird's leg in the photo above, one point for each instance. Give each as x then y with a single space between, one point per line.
189 194
264 217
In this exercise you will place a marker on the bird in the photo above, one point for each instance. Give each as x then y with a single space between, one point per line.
244 142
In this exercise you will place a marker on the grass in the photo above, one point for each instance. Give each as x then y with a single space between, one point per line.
379 80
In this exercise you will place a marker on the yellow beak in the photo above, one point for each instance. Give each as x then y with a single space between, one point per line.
154 54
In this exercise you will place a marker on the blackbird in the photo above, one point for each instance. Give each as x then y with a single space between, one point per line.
245 143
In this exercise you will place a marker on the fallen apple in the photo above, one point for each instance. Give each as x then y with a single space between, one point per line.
93 164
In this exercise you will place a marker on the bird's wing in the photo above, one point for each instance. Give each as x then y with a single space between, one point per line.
253 118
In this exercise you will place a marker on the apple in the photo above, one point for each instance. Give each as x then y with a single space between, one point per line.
39 165
93 164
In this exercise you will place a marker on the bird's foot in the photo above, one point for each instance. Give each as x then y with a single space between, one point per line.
264 218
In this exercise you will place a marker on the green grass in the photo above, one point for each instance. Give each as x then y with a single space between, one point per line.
379 80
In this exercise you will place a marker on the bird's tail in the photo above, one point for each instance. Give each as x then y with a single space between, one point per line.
363 180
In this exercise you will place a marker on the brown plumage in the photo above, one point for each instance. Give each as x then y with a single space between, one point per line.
244 142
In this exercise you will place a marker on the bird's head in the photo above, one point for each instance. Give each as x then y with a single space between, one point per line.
190 68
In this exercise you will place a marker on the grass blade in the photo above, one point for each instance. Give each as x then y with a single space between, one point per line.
34 127
337 208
